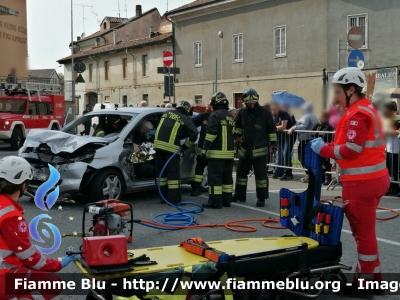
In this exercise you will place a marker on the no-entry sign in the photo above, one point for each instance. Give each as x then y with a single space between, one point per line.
356 37
168 58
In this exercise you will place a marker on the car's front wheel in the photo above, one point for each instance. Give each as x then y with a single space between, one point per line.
107 185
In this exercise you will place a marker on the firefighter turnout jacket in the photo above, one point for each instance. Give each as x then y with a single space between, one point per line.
256 128
219 141
201 120
174 126
16 250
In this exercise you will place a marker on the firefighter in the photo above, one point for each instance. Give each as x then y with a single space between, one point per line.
255 135
200 120
359 149
219 150
175 125
18 257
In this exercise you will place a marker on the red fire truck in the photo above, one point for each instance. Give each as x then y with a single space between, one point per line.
27 106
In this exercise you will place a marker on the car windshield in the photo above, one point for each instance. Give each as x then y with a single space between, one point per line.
100 125
12 106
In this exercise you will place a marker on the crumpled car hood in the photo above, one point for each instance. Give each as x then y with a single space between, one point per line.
60 141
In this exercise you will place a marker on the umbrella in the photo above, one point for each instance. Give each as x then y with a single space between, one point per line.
285 98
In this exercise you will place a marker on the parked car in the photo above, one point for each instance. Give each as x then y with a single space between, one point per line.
96 166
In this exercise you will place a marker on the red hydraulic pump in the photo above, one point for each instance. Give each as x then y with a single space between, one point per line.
110 217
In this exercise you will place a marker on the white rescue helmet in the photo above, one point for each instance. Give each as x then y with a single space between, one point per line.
350 76
15 170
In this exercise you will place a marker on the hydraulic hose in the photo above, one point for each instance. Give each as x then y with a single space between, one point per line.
184 219
395 213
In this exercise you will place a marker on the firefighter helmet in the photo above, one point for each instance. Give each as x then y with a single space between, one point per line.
115 119
186 107
250 96
219 98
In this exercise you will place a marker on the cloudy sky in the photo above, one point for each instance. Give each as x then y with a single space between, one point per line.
49 24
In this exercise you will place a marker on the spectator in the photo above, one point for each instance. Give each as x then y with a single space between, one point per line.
158 106
143 103
174 105
307 122
163 105
12 77
293 138
232 111
334 115
130 105
323 125
391 120
168 105
282 122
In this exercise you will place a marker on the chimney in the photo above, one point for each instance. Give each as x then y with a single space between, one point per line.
138 11
78 38
114 36
151 31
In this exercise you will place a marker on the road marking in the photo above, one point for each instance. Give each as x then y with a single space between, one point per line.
379 239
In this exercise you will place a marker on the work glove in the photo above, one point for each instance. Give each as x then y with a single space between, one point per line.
204 154
238 143
65 260
317 145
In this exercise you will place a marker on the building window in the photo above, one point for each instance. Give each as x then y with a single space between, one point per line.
198 54
124 67
91 72
145 65
280 41
362 22
107 99
146 97
106 69
198 99
238 47
105 25
125 101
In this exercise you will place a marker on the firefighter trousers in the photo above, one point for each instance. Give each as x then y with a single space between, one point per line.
360 200
220 182
170 180
199 171
260 172
8 290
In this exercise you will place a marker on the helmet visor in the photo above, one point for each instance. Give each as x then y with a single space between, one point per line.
251 102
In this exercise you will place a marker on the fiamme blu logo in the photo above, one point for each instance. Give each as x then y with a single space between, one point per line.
46 205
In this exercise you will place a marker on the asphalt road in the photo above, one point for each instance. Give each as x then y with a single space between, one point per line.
68 218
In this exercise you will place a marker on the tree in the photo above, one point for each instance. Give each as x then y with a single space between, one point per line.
61 76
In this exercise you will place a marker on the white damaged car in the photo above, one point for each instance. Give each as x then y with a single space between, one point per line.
96 166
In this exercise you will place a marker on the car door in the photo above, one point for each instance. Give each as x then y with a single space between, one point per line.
44 114
32 121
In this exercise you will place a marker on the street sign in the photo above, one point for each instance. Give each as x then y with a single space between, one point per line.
168 58
164 70
354 57
169 86
356 37
79 79
80 67
360 64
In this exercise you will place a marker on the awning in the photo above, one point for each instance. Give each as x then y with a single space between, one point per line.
388 93
8 11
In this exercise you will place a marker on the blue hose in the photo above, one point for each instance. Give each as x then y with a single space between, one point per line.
182 218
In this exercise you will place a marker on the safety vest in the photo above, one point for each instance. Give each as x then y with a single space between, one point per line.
371 163
8 259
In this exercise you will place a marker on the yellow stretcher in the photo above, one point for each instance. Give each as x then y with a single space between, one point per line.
172 257
275 257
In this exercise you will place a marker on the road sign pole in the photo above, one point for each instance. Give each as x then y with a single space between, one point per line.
338 55
169 84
